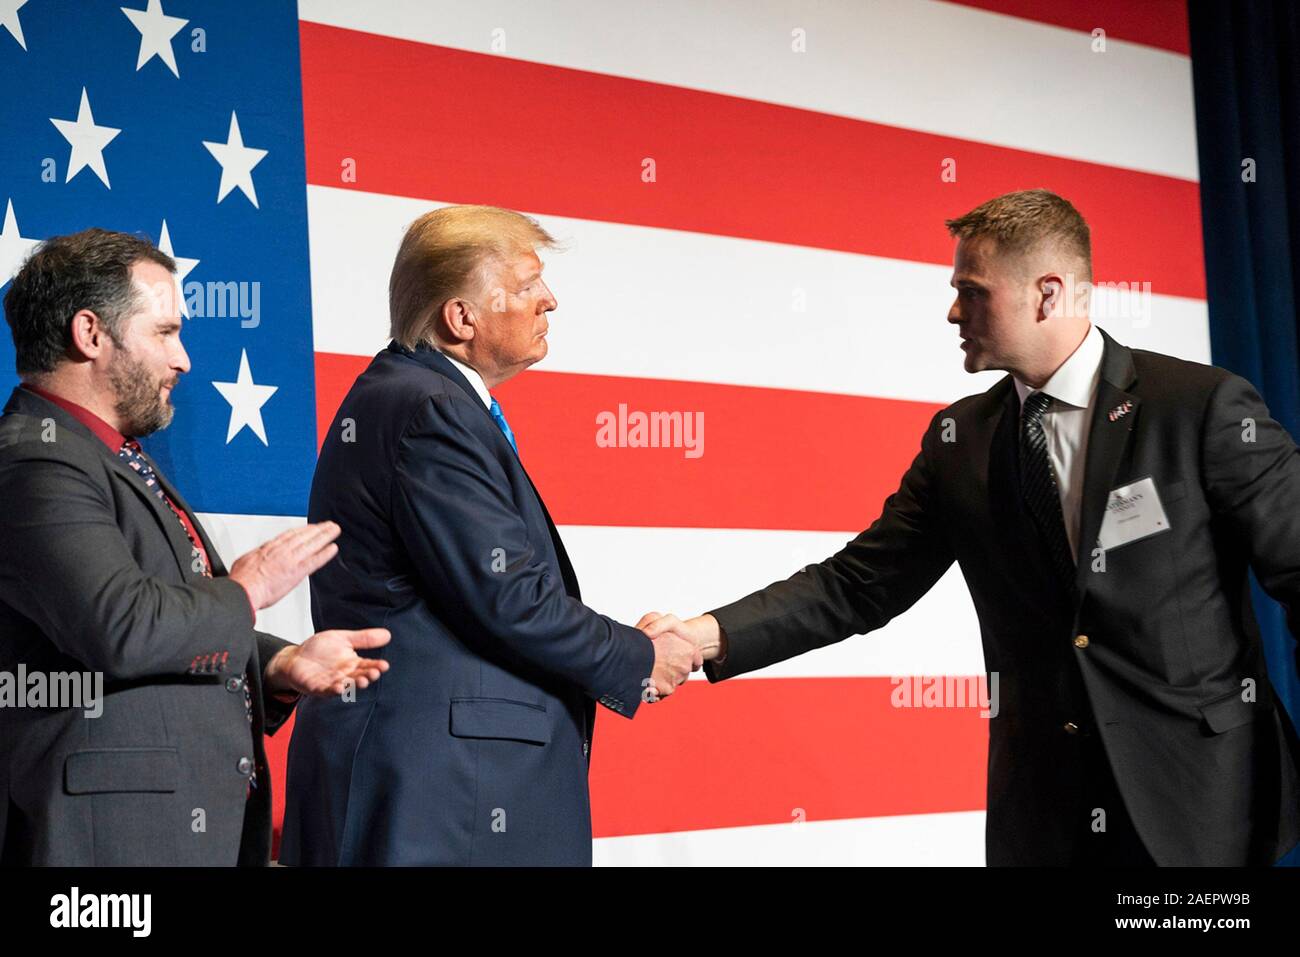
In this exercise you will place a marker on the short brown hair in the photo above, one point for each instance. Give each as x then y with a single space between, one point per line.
65 274
1028 219
444 254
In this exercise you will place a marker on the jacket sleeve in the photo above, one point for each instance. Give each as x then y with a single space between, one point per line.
876 576
275 711
454 514
1251 471
65 565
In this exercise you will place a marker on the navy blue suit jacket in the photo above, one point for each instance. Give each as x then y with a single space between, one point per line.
474 747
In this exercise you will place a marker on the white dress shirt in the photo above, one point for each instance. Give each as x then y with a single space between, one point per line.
474 378
1073 388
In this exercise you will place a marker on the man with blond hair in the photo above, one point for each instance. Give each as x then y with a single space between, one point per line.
1104 505
477 752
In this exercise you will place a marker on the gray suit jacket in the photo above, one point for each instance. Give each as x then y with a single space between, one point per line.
1153 650
96 574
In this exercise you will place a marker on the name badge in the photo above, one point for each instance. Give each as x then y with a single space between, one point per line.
1133 511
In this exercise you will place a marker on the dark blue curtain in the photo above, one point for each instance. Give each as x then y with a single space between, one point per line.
1246 76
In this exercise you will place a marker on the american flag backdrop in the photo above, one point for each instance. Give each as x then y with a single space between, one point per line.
751 197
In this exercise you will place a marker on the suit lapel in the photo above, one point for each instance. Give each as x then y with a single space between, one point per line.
1108 438
436 361
37 408
1004 471
1015 524
218 567
566 567
171 527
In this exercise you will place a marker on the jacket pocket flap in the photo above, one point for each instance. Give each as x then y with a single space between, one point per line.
499 718
121 769
1228 712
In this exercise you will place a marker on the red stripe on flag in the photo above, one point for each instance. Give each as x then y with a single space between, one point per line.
427 121
335 374
1156 23
770 458
762 750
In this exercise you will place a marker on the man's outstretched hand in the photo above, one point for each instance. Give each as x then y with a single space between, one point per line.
327 662
274 568
703 631
680 648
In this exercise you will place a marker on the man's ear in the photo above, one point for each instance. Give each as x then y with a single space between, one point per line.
1051 288
459 319
88 334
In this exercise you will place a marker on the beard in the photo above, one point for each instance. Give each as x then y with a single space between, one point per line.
139 402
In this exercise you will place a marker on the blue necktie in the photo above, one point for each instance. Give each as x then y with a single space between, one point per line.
500 419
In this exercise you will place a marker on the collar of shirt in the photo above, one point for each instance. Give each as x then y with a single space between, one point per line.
105 432
475 380
1075 382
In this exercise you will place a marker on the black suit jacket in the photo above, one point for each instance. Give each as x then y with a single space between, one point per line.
96 574
1151 655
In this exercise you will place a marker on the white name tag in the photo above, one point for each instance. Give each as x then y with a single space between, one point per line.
1132 511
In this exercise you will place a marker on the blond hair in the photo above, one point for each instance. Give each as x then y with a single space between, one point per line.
1026 220
446 253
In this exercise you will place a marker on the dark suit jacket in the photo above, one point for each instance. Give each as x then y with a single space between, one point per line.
96 574
474 748
1209 777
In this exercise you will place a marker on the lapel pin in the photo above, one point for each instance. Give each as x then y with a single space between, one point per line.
1121 410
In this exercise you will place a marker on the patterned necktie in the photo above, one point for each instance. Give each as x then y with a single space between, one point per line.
133 455
1038 486
500 419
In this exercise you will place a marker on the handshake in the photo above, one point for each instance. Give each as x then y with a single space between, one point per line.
680 648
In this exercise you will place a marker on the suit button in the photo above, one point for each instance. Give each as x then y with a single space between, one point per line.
245 766
1081 641
586 748
1071 728
234 684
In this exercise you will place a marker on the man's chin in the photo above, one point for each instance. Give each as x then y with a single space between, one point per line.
156 422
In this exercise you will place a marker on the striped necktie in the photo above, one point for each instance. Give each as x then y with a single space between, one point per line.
1039 488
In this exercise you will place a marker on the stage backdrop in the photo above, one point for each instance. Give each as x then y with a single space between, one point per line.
751 196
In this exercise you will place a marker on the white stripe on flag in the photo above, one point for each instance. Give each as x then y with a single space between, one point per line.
709 308
909 840
232 536
626 572
916 64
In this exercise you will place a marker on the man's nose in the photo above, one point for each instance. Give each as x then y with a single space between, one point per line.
180 360
954 311
549 303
